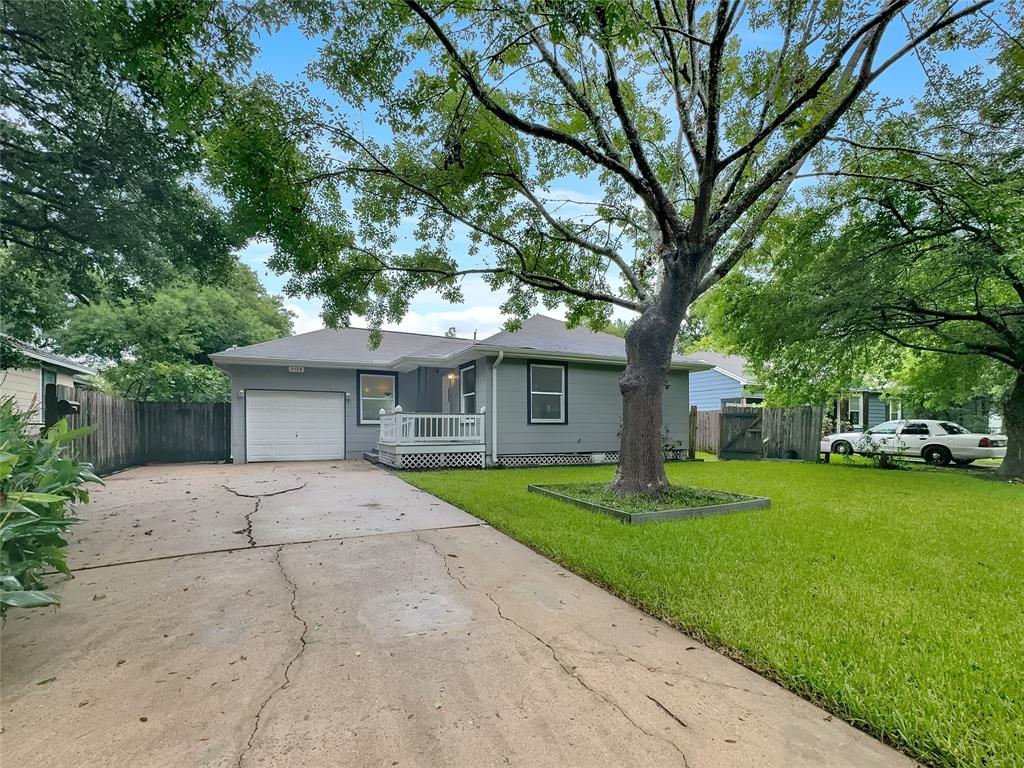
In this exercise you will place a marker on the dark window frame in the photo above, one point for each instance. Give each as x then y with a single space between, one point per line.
529 391
462 394
360 421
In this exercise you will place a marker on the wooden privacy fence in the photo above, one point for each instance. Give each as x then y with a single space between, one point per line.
793 433
133 432
761 433
707 431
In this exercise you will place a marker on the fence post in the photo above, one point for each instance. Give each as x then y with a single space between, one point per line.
692 445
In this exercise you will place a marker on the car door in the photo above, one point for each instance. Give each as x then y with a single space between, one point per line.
881 438
912 437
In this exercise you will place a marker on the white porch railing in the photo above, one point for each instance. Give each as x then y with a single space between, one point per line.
431 429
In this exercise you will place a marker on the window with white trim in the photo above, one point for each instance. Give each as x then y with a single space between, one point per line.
546 389
854 412
467 388
376 391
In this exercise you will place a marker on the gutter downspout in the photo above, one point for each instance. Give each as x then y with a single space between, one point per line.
494 407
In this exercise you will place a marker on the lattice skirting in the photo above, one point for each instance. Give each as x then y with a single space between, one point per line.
544 459
566 459
431 460
472 460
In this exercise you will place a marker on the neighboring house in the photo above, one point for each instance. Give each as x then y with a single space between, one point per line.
27 385
866 408
544 394
727 383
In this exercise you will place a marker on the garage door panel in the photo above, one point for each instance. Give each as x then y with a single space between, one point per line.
294 426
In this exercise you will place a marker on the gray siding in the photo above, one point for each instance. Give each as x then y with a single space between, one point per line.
429 383
707 388
594 406
878 411
357 438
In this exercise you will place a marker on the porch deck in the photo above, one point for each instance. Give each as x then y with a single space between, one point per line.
431 440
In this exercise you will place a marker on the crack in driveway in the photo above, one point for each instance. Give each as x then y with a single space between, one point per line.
259 499
287 667
262 495
569 670
248 522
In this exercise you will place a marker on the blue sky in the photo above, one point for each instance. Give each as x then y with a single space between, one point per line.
284 55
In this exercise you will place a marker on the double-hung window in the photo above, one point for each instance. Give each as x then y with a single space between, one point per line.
546 390
376 390
854 411
467 388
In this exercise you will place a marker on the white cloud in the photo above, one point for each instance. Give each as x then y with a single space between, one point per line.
466 320
306 315
480 313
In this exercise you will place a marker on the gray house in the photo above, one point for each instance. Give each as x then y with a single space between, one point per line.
866 408
544 394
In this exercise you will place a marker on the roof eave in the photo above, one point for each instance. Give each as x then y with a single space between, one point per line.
411 362
65 364
220 360
545 354
742 380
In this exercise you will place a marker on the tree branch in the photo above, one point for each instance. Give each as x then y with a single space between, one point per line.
527 126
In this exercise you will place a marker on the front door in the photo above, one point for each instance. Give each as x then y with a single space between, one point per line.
450 392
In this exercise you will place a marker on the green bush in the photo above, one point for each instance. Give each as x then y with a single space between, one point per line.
40 484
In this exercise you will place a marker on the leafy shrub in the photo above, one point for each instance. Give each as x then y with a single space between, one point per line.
40 484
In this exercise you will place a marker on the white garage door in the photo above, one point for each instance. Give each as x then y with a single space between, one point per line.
294 426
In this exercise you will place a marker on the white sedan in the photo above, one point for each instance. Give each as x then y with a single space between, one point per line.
937 442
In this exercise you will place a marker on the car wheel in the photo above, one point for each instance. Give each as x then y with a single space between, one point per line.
963 462
842 448
937 455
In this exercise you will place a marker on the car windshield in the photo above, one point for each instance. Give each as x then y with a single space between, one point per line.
885 428
953 429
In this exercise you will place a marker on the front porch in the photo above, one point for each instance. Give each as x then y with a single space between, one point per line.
431 440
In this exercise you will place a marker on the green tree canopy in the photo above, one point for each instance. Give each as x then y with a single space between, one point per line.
106 104
907 260
689 137
182 323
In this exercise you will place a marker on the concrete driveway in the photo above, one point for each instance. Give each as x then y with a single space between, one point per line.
328 614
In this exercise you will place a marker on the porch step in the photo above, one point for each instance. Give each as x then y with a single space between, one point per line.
372 456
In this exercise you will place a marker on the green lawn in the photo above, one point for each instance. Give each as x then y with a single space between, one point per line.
893 598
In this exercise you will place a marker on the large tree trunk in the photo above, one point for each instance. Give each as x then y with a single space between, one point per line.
1013 423
650 341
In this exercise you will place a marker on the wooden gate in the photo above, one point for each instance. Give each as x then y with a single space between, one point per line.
793 433
740 433
765 433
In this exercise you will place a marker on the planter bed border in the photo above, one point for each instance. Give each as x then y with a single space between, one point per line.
636 518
